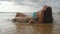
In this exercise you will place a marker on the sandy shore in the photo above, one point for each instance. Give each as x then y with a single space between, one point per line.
8 27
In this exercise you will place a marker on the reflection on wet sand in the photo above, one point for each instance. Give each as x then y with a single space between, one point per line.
18 28
34 28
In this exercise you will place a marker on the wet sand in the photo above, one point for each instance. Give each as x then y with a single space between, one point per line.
9 27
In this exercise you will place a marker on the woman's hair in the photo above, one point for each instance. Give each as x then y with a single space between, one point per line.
46 14
47 18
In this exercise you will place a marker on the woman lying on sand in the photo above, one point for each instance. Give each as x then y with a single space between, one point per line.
37 17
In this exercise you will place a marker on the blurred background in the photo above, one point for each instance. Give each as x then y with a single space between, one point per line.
28 5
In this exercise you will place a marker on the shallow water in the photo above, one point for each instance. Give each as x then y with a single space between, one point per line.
9 27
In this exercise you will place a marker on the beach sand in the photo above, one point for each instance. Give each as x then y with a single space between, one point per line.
9 27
